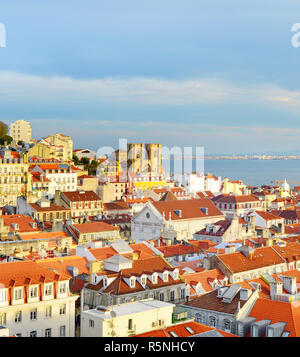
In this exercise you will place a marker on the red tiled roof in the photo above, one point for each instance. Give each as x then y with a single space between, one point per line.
182 330
189 209
227 198
277 311
81 196
22 273
60 264
24 223
178 249
262 257
116 205
92 227
204 277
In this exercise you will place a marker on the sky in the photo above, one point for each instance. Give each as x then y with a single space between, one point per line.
218 74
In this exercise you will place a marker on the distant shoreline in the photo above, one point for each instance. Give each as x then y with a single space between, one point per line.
234 158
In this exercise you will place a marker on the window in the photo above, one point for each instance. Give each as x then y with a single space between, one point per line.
154 279
172 295
33 291
175 274
132 282
33 334
130 324
199 318
48 332
62 309
33 314
161 296
3 295
182 293
212 321
144 280
227 325
48 311
18 293
48 290
62 331
62 288
165 276
91 323
18 316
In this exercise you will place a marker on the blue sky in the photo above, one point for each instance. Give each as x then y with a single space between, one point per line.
217 74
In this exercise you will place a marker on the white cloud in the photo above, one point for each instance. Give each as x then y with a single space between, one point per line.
20 88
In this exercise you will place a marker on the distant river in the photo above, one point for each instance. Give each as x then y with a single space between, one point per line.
252 172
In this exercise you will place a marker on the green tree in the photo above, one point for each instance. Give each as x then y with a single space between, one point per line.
5 140
3 129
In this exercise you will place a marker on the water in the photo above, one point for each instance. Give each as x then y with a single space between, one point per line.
253 172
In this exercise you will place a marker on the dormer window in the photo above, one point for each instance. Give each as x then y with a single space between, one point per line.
18 293
33 291
165 276
154 278
48 289
3 295
62 288
175 274
144 280
132 282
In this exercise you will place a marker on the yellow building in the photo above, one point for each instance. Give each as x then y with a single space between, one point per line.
145 185
235 187
41 150
13 176
62 145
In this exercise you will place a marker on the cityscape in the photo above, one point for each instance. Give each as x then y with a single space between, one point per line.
149 173
112 246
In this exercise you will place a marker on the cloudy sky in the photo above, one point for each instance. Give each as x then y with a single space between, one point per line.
219 74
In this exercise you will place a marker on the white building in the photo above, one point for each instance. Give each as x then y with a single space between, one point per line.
36 301
126 319
184 217
194 182
61 176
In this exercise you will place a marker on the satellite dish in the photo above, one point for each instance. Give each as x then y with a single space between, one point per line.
113 314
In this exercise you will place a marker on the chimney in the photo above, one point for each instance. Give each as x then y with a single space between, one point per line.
289 284
275 288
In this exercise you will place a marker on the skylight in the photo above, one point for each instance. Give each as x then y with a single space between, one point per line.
190 330
173 334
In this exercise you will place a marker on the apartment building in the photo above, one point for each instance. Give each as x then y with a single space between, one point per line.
43 210
236 205
117 280
81 203
21 130
62 145
127 319
94 231
35 301
61 177
249 263
13 174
